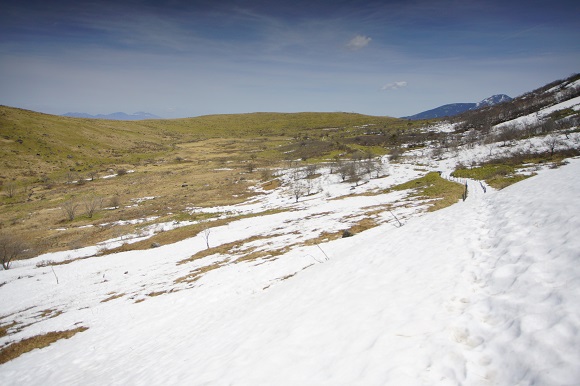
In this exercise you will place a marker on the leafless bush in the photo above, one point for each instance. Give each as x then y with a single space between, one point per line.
69 208
311 170
92 204
115 201
10 249
343 169
298 189
354 174
373 165
396 153
10 189
553 142
266 175
311 186
70 177
92 174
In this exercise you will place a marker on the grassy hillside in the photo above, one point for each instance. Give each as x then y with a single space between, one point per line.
35 143
47 162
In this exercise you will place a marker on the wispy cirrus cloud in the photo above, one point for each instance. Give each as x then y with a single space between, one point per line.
358 42
394 85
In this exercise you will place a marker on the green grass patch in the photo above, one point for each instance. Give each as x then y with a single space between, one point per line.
485 172
432 186
496 176
503 182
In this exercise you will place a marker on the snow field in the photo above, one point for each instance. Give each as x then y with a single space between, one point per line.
483 292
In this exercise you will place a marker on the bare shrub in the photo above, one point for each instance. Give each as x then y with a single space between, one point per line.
396 153
266 175
343 169
311 170
92 204
10 189
115 201
69 208
298 189
70 177
92 174
10 249
552 142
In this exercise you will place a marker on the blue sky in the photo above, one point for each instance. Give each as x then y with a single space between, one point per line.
187 58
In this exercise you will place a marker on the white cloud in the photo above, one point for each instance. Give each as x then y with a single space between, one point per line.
394 85
358 42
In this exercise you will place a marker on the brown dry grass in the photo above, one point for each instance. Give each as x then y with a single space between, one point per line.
112 297
194 275
156 293
14 350
271 185
5 327
49 313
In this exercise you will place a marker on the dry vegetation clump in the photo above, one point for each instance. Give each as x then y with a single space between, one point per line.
113 296
14 350
5 327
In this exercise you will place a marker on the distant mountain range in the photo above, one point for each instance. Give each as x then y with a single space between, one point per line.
115 116
458 108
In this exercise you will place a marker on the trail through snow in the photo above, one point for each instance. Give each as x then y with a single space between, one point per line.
486 292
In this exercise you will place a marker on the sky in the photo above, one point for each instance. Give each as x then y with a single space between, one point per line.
178 58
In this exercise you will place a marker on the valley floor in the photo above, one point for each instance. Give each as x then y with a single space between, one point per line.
485 292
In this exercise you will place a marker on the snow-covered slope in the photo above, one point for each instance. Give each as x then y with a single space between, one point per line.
452 109
485 292
535 118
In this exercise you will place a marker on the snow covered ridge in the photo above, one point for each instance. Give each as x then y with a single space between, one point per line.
537 117
483 292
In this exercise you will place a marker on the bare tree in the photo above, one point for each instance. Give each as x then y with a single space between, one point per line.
371 165
552 142
354 173
335 164
10 249
92 204
298 189
71 177
92 174
311 170
377 167
343 169
69 208
311 185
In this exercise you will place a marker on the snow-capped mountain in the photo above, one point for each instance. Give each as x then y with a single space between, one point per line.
119 116
452 109
493 100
